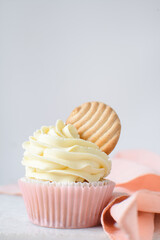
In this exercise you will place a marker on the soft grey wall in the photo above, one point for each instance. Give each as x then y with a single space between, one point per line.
55 55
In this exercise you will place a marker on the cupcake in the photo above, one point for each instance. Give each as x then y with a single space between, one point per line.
65 185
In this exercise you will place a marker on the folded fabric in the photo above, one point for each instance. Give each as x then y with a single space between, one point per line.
131 212
12 189
135 204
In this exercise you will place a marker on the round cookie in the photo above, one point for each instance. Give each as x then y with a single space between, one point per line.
98 123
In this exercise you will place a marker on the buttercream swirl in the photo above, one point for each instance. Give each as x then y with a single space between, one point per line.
58 154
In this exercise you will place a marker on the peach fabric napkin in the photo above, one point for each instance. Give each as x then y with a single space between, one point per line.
12 189
131 211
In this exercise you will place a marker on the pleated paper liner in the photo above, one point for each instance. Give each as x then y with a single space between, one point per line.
65 205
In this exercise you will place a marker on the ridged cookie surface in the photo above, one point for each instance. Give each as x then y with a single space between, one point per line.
98 123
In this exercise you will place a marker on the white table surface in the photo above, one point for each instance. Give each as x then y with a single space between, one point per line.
14 225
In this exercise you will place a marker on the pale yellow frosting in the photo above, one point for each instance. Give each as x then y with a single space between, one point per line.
58 154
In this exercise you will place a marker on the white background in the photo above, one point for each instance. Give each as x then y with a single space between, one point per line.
56 55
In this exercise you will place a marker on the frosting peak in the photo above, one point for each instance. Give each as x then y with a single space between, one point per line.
58 154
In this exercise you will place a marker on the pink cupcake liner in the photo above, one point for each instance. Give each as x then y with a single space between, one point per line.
70 205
